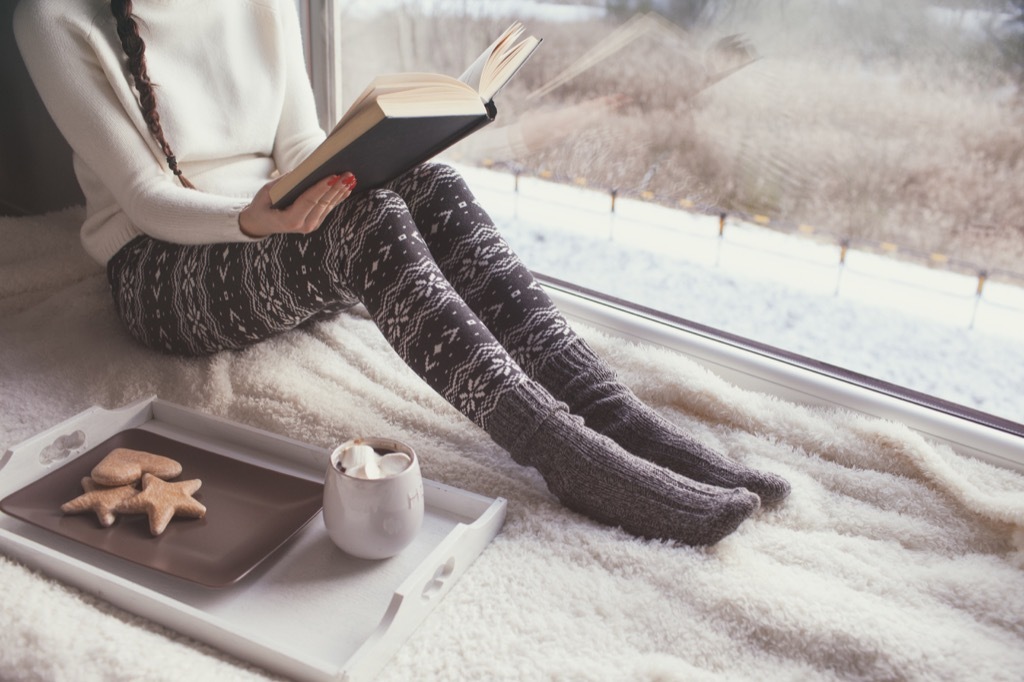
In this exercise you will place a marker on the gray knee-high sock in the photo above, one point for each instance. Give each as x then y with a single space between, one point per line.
591 474
580 378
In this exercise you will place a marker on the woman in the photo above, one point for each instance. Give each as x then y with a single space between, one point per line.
198 261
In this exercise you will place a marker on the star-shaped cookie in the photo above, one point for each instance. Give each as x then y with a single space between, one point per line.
99 499
162 501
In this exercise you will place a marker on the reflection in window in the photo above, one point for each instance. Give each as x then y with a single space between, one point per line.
839 179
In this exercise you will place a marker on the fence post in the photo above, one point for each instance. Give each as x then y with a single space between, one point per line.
721 238
612 215
844 246
515 194
982 277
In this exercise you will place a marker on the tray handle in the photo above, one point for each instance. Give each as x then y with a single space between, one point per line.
422 591
30 459
438 583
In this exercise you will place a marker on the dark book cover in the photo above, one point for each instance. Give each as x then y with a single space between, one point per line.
391 147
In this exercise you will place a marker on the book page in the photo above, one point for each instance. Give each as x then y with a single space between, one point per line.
437 99
388 84
499 71
474 75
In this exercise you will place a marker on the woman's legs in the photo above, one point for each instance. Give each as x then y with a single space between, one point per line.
489 276
196 300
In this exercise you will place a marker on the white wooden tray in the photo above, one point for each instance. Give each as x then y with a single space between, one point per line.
308 611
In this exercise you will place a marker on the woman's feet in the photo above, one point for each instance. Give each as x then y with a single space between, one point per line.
593 475
607 406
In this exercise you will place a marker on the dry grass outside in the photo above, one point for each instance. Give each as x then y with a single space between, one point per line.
924 148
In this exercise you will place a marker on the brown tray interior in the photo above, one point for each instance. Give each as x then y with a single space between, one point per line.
251 511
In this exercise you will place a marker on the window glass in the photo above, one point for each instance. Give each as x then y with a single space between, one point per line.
839 179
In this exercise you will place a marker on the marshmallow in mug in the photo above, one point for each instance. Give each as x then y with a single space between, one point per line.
362 461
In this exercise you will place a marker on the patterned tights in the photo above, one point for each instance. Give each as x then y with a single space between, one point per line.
441 284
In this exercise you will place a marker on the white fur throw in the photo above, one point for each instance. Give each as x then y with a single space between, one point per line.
894 559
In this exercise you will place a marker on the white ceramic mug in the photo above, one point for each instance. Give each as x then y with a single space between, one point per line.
373 518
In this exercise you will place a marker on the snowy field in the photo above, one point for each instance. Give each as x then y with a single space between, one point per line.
911 325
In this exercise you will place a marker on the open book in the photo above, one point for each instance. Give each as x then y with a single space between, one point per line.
402 120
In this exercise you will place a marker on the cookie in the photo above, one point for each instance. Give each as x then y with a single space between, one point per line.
162 501
99 499
123 466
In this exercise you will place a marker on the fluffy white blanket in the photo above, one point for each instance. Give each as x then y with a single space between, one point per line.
893 559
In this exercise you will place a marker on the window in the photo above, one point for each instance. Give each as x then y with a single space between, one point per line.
835 180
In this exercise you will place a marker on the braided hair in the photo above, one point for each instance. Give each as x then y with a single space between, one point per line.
135 49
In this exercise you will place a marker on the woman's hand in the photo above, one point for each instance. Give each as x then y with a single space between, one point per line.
305 214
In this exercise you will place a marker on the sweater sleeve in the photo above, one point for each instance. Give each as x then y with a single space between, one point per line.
75 67
298 131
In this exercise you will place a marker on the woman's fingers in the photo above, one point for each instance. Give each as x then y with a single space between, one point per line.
338 188
318 206
318 201
306 214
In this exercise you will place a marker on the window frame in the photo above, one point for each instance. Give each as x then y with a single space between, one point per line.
321 26
756 366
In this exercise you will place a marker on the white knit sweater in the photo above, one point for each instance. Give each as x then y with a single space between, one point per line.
233 97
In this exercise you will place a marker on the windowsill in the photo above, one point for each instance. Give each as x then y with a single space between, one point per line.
799 380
